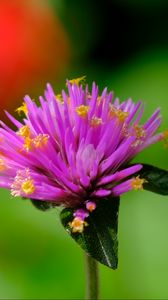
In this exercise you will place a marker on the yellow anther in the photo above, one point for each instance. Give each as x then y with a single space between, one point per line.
82 110
23 183
59 98
28 186
78 81
40 140
22 108
137 183
2 165
165 138
24 131
77 225
165 134
28 143
121 115
139 131
95 122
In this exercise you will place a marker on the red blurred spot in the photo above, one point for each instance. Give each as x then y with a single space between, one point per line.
33 48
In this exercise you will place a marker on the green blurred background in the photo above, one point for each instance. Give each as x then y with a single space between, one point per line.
121 44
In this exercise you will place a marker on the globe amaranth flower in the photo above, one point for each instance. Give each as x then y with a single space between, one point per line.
74 149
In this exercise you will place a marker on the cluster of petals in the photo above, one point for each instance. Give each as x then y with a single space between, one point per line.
75 147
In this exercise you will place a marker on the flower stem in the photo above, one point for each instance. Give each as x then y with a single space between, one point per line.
92 278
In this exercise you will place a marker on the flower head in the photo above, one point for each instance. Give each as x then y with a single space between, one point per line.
75 151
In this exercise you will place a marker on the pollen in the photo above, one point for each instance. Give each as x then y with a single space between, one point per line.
165 134
78 80
28 186
121 115
139 131
95 122
165 138
24 131
28 143
40 140
77 225
22 108
23 183
82 110
137 183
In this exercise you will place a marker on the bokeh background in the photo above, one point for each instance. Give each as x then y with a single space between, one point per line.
122 44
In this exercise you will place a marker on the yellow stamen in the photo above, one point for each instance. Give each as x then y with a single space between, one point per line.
23 183
2 165
95 122
59 98
165 138
139 131
28 143
165 134
40 140
28 186
78 225
121 115
137 183
82 110
24 131
22 108
140 134
78 81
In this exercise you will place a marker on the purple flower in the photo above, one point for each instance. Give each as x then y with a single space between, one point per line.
75 148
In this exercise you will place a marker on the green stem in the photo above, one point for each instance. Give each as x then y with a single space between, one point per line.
92 278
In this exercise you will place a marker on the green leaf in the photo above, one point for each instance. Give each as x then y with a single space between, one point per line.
41 205
157 179
99 238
